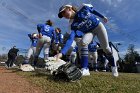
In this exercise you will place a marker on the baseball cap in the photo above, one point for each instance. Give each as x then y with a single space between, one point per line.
61 9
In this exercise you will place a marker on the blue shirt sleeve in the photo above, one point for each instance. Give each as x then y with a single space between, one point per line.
92 10
39 27
30 36
98 14
68 43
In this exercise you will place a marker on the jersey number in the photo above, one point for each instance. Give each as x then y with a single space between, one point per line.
47 28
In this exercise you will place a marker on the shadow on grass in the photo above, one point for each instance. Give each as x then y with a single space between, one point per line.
41 74
50 77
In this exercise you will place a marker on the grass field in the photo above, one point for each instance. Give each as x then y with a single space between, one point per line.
98 82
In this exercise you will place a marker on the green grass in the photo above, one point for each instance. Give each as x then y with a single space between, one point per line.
97 82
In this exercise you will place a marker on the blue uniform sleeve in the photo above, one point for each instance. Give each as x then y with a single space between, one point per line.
68 43
30 36
98 14
92 10
39 27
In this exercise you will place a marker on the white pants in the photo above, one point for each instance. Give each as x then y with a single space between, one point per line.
102 36
43 42
72 55
105 62
31 51
94 57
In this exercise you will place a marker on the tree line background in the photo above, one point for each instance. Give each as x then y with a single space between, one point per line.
127 64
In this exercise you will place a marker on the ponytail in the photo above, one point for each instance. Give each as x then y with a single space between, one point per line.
49 22
58 29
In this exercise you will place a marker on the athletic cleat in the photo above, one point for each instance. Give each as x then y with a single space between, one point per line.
85 72
114 71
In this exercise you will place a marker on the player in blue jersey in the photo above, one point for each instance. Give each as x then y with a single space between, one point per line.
72 53
92 47
59 40
46 33
59 36
84 20
34 38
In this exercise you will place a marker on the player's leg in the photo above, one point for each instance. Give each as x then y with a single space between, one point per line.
95 57
46 50
30 52
39 46
103 38
86 39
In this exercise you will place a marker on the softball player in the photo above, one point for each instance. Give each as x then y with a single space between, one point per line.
34 38
105 64
92 47
71 54
85 20
46 33
59 39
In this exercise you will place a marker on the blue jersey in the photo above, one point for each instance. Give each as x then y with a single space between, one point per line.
59 38
46 30
33 40
84 21
92 47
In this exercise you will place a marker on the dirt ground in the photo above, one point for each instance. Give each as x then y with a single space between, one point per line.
10 82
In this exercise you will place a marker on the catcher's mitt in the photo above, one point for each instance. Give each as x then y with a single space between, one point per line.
68 72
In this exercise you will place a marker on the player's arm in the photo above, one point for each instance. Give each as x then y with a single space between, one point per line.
30 36
67 46
92 10
39 29
68 43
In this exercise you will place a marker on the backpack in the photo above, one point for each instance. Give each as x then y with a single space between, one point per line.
68 72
